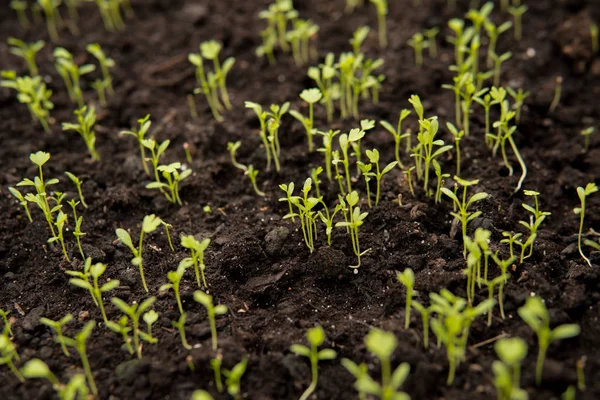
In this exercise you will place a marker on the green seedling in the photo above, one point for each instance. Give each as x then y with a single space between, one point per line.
464 215
110 10
345 141
517 13
86 119
20 8
26 51
275 114
580 366
82 280
71 74
408 176
216 364
473 270
233 379
323 76
358 371
207 301
358 38
61 220
314 175
78 184
233 147
305 206
53 17
498 61
511 239
316 337
336 161
519 96
425 312
373 156
441 179
418 43
503 265
197 249
356 79
479 17
289 191
557 94
458 135
123 328
134 313
7 325
487 102
365 171
469 94
327 149
140 135
583 193
57 327
105 64
407 278
587 134
535 220
355 220
78 342
327 219
365 125
593 37
427 152
180 325
507 371
210 50
173 173
22 201
398 135
33 92
535 314
77 231
457 88
252 174
310 96
494 31
461 39
201 395
156 152
8 355
300 39
101 85
76 388
430 34
150 224
262 118
150 318
569 394
491 285
208 87
382 9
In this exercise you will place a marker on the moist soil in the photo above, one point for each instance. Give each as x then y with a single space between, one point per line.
257 263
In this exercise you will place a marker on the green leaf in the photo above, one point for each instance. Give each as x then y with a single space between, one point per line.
146 304
327 354
316 335
300 350
80 283
311 96
39 158
565 331
125 238
220 309
110 285
36 368
400 375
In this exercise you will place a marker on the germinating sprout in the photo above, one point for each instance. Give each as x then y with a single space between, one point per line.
315 337
150 224
300 40
22 201
358 38
493 32
398 134
157 150
458 135
262 118
215 364
519 96
418 43
53 18
86 119
373 156
57 327
78 342
441 179
105 64
535 220
498 61
429 148
140 135
503 265
134 313
233 378
407 278
8 355
457 88
173 173
425 312
323 76
7 326
365 171
583 193
78 184
33 92
354 221
517 13
310 96
507 371
93 273
123 328
26 51
180 325
535 314
305 210
71 73
557 94
587 134
382 9
327 149
76 388
20 7
61 220
207 301
110 10
430 34
197 249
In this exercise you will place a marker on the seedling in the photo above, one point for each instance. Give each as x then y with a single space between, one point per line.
355 220
407 278
207 301
150 318
252 174
314 174
140 135
86 119
458 135
493 32
425 312
498 61
71 73
77 231
300 40
78 342
82 280
464 215
215 364
26 51
233 379
461 39
373 156
487 102
310 96
156 152
365 171
323 76
180 325
517 13
33 92
20 8
210 50
382 10
8 355
53 17
583 193
430 34
105 64
491 285
57 327
345 140
7 329
74 389
557 94
61 220
587 134
316 337
441 178
408 175
22 201
519 96
535 314
134 313
398 135
358 38
327 149
336 160
511 239
197 249
507 372
503 265
351 5
327 219
110 10
307 216
478 17
123 328
365 125
173 176
78 184
418 43
535 220
262 118
594 38
469 94
427 152
149 225
208 86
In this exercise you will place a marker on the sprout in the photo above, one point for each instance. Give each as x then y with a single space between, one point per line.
498 61
156 151
173 177
464 215
327 219
557 94
252 174
86 118
215 364
7 326
207 301
425 312
355 220
461 39
491 285
358 371
150 318
345 140
430 34
105 64
323 76
262 118
382 10
299 38
61 220
77 231
310 96
458 135
407 278
459 82
210 50
78 342
33 92
487 102
57 327
427 141
358 38
26 51
233 378
305 205
517 13
110 11
82 280
78 184
316 337
8 354
149 225
74 389
276 113
22 201
587 134
53 17
180 325
365 125
469 94
134 312
408 175
373 156
398 135
140 135
535 314
535 220
20 7
593 37
327 149
583 193
418 43
351 5
507 371
365 171
197 249
355 74
503 265
441 177
70 73
519 96
314 174
493 32
123 328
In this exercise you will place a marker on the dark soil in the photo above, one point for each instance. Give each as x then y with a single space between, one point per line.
275 289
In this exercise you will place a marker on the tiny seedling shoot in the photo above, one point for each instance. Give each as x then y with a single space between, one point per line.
583 193
207 301
134 313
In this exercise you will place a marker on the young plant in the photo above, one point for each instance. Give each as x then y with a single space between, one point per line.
77 231
173 176
430 34
418 43
300 39
86 119
61 220
134 313
156 152
503 265
201 395
26 51
327 149
262 118
494 31
498 61
20 7
82 280
316 337
123 328
7 326
587 134
519 96
233 379
557 94
491 285
305 206
105 64
507 371
345 141
71 74
21 201
207 301
78 342
427 152
535 220
323 76
458 135
365 171
382 9
327 219
252 174
150 224
425 312
8 355
441 178
74 389
33 92
140 135
535 314
517 13
407 278
464 215
373 156
355 220
78 184
180 325
53 17
583 193
310 96
210 50
197 249
398 135
57 327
